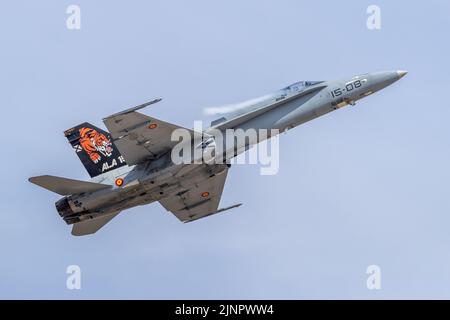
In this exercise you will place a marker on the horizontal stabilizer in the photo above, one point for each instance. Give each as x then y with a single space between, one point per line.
92 225
64 186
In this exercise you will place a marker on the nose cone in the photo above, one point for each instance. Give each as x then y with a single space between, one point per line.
401 73
380 80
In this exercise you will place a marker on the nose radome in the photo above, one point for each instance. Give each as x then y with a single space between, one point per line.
401 73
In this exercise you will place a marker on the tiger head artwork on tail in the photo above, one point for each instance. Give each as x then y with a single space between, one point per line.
95 148
95 144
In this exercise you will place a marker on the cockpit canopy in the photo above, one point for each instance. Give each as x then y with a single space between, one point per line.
301 85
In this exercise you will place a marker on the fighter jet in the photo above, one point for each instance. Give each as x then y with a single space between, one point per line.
132 164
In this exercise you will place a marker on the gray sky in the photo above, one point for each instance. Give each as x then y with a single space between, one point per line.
364 185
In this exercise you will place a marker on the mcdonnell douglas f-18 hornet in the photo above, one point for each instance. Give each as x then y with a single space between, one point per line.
131 164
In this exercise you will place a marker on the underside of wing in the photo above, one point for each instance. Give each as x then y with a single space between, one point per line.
197 201
140 137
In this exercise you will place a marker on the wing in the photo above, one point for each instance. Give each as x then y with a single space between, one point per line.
198 201
140 137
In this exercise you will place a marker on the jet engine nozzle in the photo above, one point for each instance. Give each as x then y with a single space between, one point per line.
63 207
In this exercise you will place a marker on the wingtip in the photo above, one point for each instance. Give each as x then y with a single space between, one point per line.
129 110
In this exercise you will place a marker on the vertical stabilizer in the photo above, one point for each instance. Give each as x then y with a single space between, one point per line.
95 148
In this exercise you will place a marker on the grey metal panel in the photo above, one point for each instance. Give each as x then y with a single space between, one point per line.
192 203
65 186
140 137
141 106
254 113
92 225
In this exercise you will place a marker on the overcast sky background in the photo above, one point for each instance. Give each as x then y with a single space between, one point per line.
364 185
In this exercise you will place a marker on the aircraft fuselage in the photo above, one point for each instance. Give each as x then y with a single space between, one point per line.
284 109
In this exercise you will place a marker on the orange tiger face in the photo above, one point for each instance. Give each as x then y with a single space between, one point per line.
95 144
